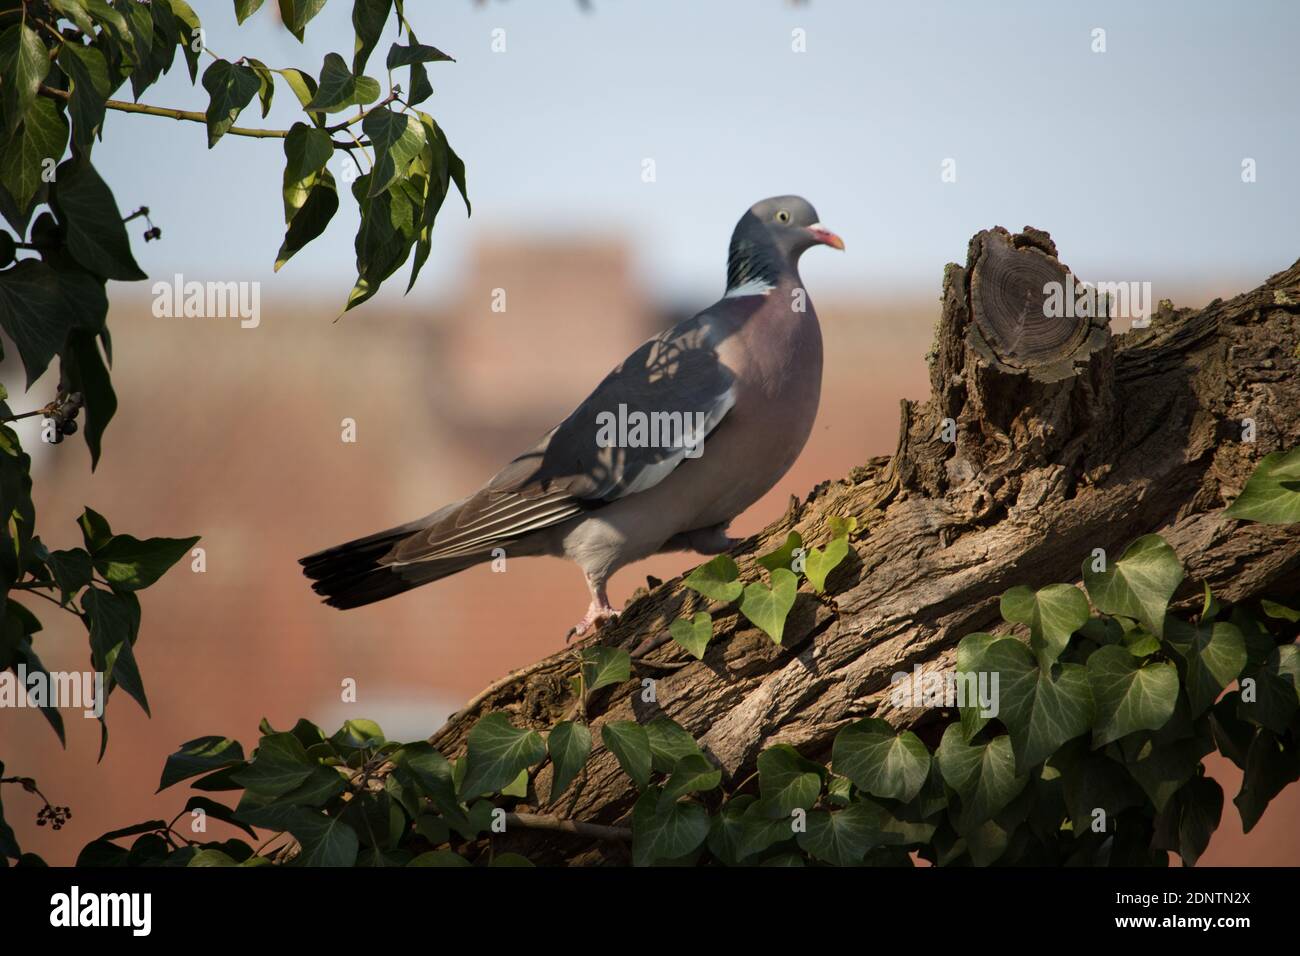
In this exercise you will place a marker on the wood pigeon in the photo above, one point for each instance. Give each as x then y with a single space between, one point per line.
690 430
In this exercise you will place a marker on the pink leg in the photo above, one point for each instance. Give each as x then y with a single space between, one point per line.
597 612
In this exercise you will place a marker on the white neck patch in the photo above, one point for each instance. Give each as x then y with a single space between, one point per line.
752 287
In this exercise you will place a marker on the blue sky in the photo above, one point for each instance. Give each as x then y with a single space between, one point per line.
1130 158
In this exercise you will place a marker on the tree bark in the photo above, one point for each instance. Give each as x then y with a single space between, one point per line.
1043 439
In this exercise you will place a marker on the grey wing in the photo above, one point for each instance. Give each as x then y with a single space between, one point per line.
675 384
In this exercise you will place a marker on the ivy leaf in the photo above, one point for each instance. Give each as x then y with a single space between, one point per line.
718 579
1138 585
85 372
266 88
339 88
783 557
767 608
388 229
200 755
368 19
983 774
32 148
627 740
669 743
693 635
404 55
569 745
819 562
881 761
245 9
1041 712
1129 696
787 781
1052 614
96 237
24 64
665 829
114 624
1272 763
326 841
296 14
304 87
495 753
397 138
1190 819
307 150
840 837
279 765
129 564
603 666
693 773
311 218
1272 493
230 87
32 314
1279 612
841 527
1275 695
1213 654
970 653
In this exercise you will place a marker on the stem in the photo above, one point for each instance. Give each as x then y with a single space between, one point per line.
598 831
192 115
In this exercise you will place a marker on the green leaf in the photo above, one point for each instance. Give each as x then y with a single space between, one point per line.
326 841
665 829
398 139
787 781
970 653
692 774
1052 614
628 741
496 752
368 19
217 811
85 372
24 64
840 837
339 88
983 774
1138 585
1213 654
1040 711
304 87
405 55
1129 696
1276 690
188 33
693 635
311 218
717 579
569 745
71 570
296 14
819 562
96 237
1272 494
767 608
1272 763
1279 612
129 564
114 624
200 755
783 557
94 530
231 87
1190 819
881 761
32 314
389 227
603 666
29 154
280 764
266 87
669 743
307 150
245 9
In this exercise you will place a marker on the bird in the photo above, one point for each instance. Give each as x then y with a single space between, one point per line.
686 433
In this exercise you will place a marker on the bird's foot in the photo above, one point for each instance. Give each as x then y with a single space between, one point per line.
597 614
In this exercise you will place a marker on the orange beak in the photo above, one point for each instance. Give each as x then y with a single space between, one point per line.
825 236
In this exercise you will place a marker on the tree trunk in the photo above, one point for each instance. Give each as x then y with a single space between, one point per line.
1042 440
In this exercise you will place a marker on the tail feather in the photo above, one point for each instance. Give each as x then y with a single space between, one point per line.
354 574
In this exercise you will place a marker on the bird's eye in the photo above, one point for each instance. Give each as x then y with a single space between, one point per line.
782 216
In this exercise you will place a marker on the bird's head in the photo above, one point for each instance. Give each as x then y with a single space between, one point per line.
771 236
